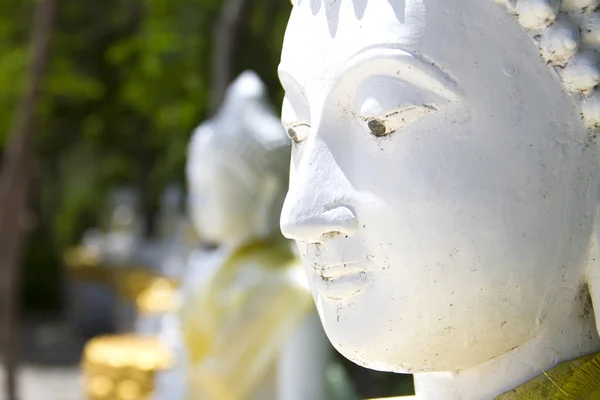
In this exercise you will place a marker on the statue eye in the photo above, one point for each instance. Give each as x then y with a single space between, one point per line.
391 122
298 132
377 127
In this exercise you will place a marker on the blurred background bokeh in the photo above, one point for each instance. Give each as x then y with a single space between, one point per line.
125 84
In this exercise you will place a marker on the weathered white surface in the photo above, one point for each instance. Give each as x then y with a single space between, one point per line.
47 383
443 190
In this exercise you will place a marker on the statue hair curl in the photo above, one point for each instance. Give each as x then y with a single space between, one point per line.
568 35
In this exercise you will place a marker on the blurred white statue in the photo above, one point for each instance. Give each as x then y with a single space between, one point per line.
124 226
243 309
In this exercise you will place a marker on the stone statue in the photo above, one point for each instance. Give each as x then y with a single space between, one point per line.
252 294
445 184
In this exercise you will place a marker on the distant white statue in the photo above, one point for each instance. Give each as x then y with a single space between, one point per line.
124 226
445 187
246 316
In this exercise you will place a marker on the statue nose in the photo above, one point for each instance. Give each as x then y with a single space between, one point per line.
314 227
318 203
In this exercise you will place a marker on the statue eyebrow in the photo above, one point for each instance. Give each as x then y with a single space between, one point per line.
388 60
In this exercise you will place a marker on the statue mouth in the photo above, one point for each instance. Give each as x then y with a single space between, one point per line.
341 281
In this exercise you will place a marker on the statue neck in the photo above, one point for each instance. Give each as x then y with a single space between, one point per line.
510 370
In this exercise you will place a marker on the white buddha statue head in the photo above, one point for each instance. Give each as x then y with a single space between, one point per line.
238 166
444 185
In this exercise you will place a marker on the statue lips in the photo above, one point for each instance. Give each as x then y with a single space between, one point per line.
340 281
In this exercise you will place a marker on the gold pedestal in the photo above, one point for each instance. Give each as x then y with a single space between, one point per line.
122 367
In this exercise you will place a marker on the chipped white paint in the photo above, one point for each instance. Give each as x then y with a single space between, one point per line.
458 243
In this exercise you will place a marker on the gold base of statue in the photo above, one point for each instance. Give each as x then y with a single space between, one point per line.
122 367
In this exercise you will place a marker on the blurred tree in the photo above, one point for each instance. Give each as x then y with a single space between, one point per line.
225 46
14 185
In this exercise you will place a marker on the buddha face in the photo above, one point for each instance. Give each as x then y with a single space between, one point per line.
221 208
442 187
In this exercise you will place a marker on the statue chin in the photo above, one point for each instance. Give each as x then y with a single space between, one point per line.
444 183
409 341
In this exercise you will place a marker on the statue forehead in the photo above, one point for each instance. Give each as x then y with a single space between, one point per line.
313 32
322 35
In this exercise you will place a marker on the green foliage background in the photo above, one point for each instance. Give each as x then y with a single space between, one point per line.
128 83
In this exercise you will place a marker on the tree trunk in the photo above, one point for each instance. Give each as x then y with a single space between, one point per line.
14 182
226 36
